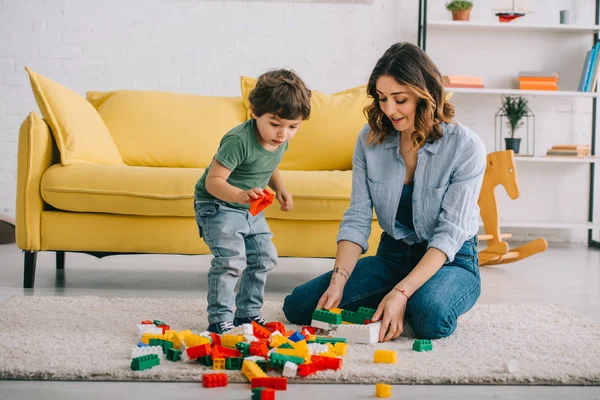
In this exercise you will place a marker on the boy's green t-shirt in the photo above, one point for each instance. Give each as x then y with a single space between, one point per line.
251 165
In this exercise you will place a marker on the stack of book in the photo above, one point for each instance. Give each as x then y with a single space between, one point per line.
538 80
570 150
455 81
589 72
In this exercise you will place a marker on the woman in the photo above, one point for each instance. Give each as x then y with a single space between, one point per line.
422 174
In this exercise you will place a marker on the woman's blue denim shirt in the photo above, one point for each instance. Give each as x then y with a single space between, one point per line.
447 182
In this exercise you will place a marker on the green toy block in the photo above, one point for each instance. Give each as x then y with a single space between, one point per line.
165 344
257 393
327 316
364 313
422 345
286 346
332 340
351 317
158 322
277 361
234 363
173 354
145 362
207 361
244 348
262 364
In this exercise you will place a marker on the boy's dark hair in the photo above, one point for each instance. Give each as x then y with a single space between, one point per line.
281 92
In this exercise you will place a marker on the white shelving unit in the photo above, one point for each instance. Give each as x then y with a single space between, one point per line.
472 27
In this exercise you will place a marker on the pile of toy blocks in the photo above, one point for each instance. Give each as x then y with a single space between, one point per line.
355 327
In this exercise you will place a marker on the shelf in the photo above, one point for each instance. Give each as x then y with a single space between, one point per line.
557 159
517 92
508 26
547 225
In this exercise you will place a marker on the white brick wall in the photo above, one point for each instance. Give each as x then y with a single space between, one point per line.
204 46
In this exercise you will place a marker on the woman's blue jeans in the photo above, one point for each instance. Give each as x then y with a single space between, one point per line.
432 311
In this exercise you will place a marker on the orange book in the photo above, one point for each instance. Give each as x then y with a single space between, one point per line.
538 86
463 85
467 80
537 79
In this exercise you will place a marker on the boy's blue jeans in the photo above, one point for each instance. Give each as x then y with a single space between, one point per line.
432 310
241 245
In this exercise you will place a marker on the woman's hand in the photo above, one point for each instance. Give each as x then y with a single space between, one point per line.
392 308
333 295
285 199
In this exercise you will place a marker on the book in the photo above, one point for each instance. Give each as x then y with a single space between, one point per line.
545 74
532 85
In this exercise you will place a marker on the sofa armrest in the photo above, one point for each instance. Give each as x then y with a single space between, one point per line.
37 152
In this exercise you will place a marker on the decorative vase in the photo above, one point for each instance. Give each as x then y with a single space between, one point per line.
513 144
463 15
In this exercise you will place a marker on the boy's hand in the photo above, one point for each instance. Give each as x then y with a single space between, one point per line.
249 195
285 199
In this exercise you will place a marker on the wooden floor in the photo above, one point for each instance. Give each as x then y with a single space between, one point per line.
567 274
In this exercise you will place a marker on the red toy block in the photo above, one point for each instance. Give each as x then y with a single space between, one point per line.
262 202
214 380
258 349
306 369
319 363
216 339
277 383
224 352
329 362
164 328
147 322
275 326
310 329
199 351
260 331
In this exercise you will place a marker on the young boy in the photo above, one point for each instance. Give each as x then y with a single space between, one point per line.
245 163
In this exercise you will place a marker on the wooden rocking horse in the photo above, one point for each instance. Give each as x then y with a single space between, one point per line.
500 170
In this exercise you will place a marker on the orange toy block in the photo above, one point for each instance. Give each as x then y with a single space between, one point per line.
260 331
262 202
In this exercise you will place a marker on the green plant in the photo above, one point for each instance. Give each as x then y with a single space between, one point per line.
515 109
459 5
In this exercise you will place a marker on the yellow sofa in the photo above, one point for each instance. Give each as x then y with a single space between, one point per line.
115 173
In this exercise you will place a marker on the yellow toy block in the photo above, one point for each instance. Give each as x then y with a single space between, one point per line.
251 370
178 338
383 390
278 340
311 338
330 348
231 340
218 363
328 354
195 340
147 336
385 357
340 349
335 310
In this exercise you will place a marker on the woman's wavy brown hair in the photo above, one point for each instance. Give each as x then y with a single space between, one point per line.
413 68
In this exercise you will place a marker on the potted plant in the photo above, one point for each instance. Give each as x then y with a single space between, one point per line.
461 10
515 109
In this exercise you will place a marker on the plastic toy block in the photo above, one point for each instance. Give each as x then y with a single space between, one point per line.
158 322
329 362
277 361
144 362
340 349
286 346
365 313
262 364
252 371
296 337
306 369
244 329
142 351
196 340
207 361
165 344
350 317
258 349
262 393
336 310
422 345
278 340
147 322
289 369
310 329
141 344
260 331
317 348
224 352
148 328
198 351
277 383
243 348
215 339
218 363
164 328
234 363
321 325
275 326
147 336
332 340
231 340
383 390
385 357
319 364
368 334
214 380
327 316
264 201
173 355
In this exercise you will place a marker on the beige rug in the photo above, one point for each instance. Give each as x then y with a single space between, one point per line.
90 338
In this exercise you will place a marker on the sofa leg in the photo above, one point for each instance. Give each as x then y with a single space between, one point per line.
29 277
60 260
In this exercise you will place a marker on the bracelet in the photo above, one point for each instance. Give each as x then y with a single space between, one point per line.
338 270
402 291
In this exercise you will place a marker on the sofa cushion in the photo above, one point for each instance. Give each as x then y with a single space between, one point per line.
79 132
162 129
169 191
326 140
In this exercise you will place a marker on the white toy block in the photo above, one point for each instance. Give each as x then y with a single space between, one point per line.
511 366
250 338
142 351
244 329
356 334
148 328
322 325
289 369
317 348
254 358
276 333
